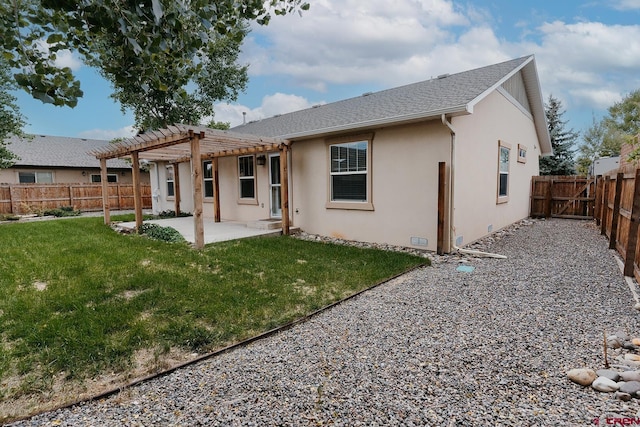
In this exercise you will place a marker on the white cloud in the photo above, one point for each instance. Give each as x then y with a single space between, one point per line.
352 41
64 57
588 63
272 105
109 134
626 4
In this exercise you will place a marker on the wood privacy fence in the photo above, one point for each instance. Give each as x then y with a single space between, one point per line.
618 214
28 198
563 197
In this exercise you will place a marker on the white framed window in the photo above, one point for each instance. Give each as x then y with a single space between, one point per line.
207 177
504 154
522 153
171 189
246 175
35 177
97 178
350 173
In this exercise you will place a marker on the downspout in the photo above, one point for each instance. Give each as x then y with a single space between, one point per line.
451 194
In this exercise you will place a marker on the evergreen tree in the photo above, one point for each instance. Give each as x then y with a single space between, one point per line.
562 140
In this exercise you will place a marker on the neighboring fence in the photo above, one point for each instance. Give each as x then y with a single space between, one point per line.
563 197
27 198
618 214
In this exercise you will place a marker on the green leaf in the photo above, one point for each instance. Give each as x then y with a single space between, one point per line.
54 38
157 10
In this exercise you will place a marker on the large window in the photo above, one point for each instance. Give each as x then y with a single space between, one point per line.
504 151
349 171
35 177
207 176
171 189
247 177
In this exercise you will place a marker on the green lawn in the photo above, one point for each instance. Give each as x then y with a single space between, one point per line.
78 300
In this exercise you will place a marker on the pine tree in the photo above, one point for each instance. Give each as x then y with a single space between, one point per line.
562 141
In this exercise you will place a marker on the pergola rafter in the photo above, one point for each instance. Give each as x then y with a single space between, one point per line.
182 143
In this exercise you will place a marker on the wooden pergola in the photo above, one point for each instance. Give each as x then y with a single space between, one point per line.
185 143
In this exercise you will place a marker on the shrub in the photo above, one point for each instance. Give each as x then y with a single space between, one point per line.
62 211
172 214
158 232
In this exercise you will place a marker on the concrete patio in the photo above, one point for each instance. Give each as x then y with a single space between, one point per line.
214 231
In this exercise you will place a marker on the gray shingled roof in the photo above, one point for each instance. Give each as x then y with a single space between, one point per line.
450 94
60 151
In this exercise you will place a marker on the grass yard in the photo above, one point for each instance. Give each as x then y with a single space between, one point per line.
83 308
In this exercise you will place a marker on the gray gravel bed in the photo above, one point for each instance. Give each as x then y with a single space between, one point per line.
435 347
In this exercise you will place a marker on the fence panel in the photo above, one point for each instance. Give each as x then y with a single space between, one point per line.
563 197
26 198
619 215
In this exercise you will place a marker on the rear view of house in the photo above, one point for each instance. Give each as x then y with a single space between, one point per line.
431 165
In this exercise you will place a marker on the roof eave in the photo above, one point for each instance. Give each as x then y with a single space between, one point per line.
387 121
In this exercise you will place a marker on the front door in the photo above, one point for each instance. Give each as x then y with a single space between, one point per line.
274 185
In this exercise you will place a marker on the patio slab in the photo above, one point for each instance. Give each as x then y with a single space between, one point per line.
213 231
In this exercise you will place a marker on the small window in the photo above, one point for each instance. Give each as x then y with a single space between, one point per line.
504 151
522 154
111 177
171 191
247 178
35 177
207 176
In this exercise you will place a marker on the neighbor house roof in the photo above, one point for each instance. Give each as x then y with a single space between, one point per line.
60 152
453 95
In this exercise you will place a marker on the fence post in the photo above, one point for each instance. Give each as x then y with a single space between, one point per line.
605 205
616 211
632 240
597 207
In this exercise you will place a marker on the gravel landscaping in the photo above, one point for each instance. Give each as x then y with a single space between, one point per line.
435 347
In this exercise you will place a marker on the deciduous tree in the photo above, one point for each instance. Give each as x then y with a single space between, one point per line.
152 45
11 121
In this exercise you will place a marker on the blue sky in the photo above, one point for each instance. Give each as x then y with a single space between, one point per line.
587 53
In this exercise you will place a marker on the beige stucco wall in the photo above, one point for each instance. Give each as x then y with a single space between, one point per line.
404 187
476 212
67 176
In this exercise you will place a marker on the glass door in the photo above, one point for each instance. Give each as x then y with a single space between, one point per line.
274 185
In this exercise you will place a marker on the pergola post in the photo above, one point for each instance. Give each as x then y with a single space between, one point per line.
176 187
105 191
137 194
216 190
284 187
196 178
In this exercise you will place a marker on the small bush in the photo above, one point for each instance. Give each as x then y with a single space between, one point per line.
62 211
158 232
172 214
9 217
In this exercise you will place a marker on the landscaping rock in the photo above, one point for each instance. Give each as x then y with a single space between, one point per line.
625 397
631 387
604 384
608 373
630 375
582 376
